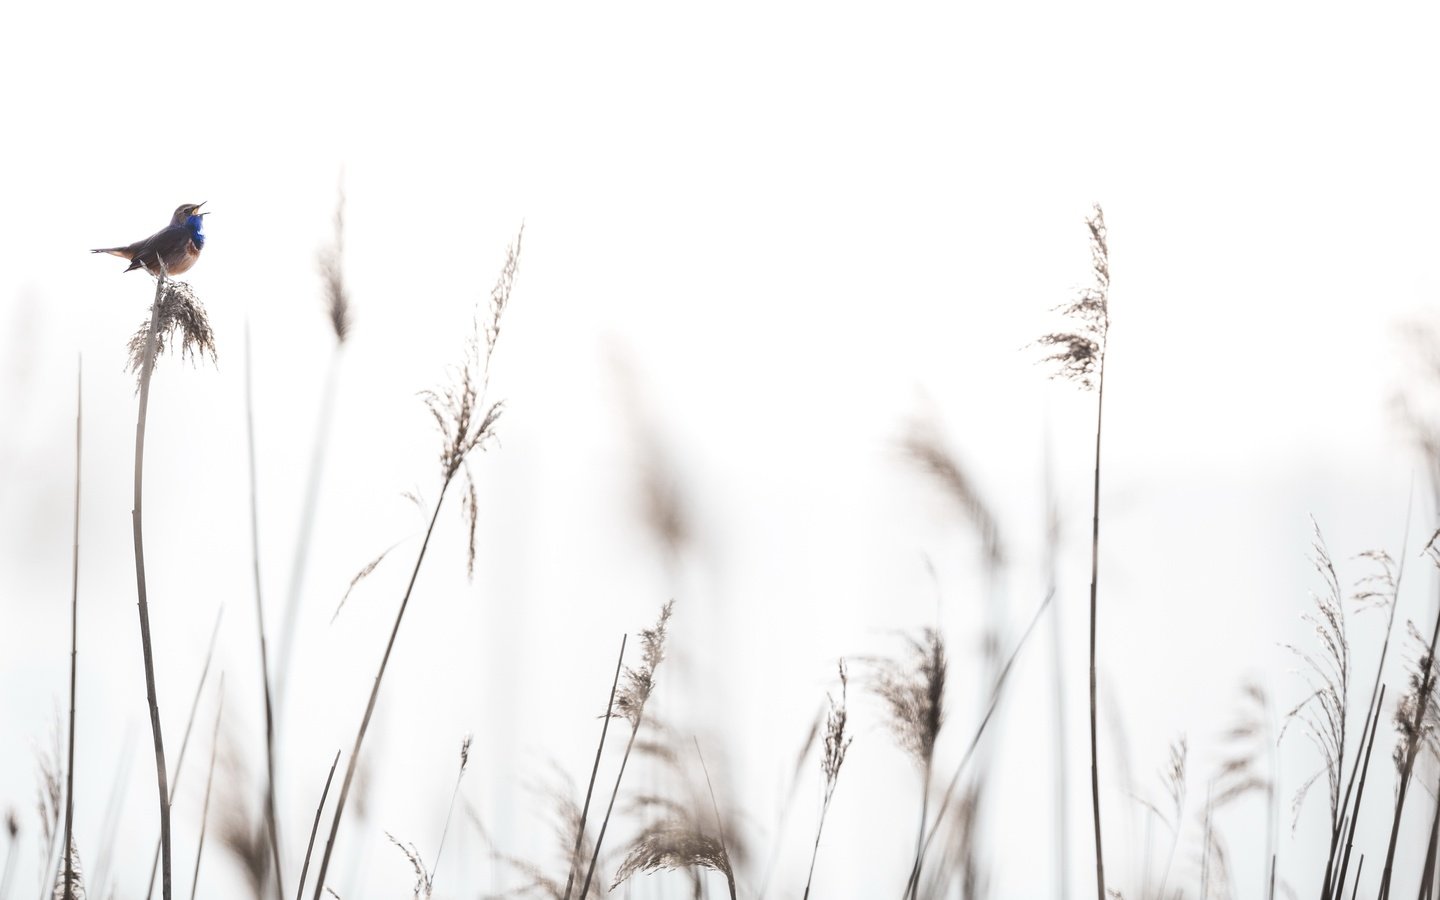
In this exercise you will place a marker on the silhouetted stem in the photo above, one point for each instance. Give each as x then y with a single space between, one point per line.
719 825
1359 796
147 368
69 889
594 771
1427 687
353 764
1094 594
314 829
270 823
605 823
209 780
185 740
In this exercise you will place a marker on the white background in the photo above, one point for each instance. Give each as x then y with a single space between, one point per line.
782 232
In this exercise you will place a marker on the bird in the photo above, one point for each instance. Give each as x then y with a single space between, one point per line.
171 250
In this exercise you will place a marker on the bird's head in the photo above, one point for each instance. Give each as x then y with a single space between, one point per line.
185 211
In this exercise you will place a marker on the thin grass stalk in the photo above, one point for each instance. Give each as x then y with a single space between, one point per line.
594 771
1374 709
100 872
450 812
270 818
69 890
1358 869
147 369
337 301
1057 652
815 851
1094 593
209 780
1427 880
185 739
306 527
1331 888
1359 796
353 763
1427 687
315 828
719 825
605 823
913 888
837 744
975 740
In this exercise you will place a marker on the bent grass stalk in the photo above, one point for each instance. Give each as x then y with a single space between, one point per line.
148 367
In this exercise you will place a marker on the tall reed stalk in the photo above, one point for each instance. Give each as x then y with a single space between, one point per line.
68 892
1081 358
147 369
271 828
466 424
1424 686
176 308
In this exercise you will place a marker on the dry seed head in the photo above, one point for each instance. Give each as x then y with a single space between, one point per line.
1079 355
913 690
424 879
837 740
77 882
331 261
180 311
640 682
674 844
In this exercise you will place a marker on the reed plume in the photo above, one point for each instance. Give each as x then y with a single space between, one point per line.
912 690
837 744
1079 356
466 421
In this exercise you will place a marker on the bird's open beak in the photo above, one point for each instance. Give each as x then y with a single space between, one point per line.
200 204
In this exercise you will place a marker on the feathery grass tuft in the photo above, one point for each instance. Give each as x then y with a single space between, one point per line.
1323 712
424 878
71 883
1079 355
913 691
675 844
837 744
182 313
331 263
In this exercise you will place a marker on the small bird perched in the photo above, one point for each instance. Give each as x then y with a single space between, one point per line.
171 250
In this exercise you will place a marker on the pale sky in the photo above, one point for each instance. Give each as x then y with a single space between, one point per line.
796 227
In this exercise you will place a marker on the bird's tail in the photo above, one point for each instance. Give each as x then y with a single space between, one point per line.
123 252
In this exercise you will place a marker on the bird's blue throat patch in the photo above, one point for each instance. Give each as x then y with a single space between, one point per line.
196 224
